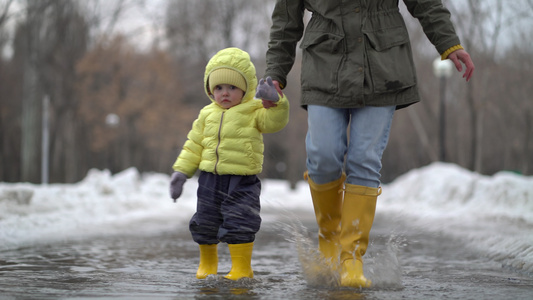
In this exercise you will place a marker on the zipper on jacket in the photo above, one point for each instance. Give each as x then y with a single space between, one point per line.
218 144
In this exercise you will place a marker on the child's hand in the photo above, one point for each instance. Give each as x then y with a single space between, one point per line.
266 90
176 184
268 104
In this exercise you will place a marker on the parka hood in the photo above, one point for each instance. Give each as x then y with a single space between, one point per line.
237 60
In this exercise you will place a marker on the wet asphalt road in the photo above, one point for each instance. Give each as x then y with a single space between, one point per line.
403 262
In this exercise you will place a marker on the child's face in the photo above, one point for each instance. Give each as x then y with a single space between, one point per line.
227 95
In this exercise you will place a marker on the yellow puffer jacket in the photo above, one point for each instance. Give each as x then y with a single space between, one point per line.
230 141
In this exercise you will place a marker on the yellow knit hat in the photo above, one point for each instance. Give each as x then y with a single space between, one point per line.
226 76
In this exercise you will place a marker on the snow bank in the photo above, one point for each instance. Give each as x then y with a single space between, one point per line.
491 213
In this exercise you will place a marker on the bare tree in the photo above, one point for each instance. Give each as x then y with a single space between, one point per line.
6 106
198 29
4 11
482 24
143 90
104 17
72 51
26 47
50 40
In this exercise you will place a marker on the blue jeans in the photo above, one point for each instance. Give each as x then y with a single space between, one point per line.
352 139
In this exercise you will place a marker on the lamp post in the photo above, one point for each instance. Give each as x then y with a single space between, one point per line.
45 142
443 70
112 121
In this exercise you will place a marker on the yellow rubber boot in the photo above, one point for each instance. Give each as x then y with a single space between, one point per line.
327 203
241 261
358 212
208 261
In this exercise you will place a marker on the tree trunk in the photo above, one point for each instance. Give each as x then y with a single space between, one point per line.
30 125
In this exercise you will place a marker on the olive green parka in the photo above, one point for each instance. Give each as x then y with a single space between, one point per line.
355 53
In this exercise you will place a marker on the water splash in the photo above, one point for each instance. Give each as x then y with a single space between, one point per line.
380 265
315 269
383 267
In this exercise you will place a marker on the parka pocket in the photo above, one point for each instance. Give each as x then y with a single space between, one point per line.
390 60
322 55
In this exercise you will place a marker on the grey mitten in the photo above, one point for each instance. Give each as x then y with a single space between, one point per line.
176 184
266 90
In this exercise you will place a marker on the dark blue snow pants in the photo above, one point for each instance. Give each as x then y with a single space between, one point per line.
227 209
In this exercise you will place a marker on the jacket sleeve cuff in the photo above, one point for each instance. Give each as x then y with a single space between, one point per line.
444 55
179 167
278 77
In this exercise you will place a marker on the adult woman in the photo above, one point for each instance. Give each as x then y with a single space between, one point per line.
357 69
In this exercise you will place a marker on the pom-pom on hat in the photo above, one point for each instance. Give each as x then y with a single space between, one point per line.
226 76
